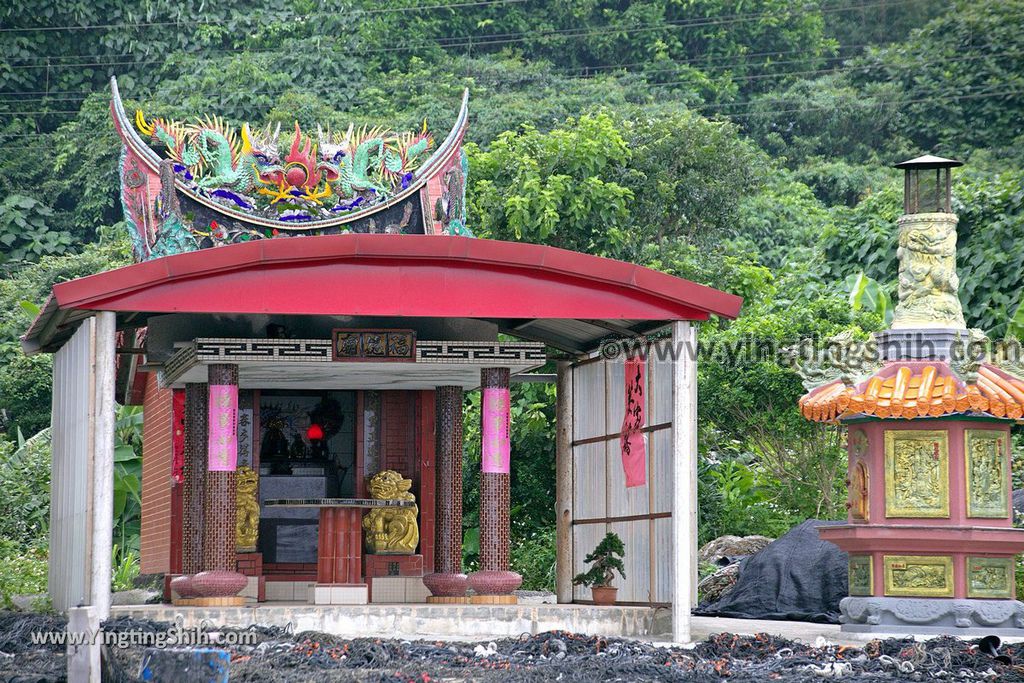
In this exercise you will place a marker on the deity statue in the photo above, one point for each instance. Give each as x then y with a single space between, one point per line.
391 530
248 510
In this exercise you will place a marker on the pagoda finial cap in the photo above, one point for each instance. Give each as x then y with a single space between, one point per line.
928 161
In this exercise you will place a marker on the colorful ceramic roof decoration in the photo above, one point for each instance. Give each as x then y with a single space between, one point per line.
188 185
913 389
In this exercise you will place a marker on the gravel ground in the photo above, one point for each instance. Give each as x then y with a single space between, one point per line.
279 656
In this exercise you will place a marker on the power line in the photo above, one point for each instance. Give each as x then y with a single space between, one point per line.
834 70
863 103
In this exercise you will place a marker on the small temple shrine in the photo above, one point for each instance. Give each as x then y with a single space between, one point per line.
928 406
306 315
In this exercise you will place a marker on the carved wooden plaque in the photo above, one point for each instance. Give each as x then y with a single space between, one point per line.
923 576
989 577
916 473
373 345
861 575
986 456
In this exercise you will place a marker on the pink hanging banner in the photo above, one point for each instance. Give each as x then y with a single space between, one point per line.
634 447
495 430
222 447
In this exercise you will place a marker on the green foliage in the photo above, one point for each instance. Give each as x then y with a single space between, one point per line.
23 570
869 295
125 569
533 558
614 188
746 505
25 482
604 560
127 480
24 231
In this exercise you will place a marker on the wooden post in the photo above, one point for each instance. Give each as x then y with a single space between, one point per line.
104 352
684 477
563 482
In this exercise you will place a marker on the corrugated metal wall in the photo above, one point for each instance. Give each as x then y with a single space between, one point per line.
70 474
641 516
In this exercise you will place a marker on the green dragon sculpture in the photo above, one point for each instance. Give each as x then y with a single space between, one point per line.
368 160
210 150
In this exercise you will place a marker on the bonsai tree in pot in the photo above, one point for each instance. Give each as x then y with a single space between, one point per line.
605 560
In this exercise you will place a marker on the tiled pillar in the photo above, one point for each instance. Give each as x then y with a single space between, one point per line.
194 472
220 578
448 582
194 479
494 582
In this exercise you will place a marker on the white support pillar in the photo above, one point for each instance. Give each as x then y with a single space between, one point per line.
104 351
684 477
563 483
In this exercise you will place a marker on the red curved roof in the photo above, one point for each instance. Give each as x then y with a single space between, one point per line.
384 275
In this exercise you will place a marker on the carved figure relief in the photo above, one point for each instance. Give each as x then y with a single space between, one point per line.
916 473
391 531
928 281
861 575
989 577
859 491
918 575
248 509
987 488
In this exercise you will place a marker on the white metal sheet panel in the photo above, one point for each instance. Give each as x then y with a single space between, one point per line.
659 451
70 475
663 560
622 501
589 464
615 396
637 558
588 401
659 379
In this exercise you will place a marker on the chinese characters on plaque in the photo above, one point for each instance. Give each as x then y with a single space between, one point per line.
495 430
245 437
634 450
222 447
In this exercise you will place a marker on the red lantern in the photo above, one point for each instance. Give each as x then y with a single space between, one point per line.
315 432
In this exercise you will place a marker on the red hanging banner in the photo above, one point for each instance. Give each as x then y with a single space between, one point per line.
634 447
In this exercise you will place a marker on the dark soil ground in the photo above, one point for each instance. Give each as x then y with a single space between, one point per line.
279 656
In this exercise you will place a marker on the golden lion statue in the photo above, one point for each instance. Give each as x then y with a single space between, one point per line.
391 531
248 509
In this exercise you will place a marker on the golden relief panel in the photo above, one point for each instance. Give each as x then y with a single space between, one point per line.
862 579
247 519
989 577
916 473
923 576
988 492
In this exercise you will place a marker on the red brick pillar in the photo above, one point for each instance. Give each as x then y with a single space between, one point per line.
220 577
494 582
193 485
448 581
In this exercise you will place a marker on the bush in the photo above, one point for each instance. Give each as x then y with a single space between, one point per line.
25 482
534 558
23 571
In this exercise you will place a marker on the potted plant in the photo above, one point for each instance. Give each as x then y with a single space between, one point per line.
605 560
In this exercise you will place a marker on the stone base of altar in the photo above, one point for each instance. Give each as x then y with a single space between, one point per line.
932 616
447 600
338 594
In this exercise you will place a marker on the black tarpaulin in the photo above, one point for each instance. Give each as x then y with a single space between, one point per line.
799 577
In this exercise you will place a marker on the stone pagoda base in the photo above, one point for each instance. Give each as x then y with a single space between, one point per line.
932 616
